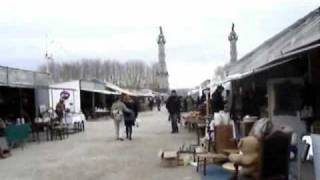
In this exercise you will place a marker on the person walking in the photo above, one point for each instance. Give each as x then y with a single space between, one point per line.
117 110
4 148
189 102
217 103
130 117
158 101
60 109
151 101
173 106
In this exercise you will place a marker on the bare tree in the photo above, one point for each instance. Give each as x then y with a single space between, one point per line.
132 74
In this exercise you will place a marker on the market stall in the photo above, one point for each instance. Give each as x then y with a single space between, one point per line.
89 97
139 95
21 93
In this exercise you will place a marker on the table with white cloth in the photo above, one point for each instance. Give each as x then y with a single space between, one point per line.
75 121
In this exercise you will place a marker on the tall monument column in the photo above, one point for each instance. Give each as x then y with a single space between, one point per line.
233 37
162 72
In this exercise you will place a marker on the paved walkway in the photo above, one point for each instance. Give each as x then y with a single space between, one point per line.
95 155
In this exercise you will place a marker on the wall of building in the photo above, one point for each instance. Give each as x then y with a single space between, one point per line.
73 88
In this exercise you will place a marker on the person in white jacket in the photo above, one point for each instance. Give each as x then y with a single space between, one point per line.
117 109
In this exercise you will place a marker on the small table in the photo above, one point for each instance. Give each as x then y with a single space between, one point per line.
216 158
38 127
231 151
198 150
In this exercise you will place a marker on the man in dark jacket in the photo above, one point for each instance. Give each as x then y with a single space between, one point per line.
217 102
173 107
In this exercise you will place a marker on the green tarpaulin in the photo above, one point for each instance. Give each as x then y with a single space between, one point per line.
17 133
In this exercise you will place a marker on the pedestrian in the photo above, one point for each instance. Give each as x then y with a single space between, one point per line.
189 102
173 106
117 109
217 103
60 108
185 104
158 101
4 148
151 103
130 117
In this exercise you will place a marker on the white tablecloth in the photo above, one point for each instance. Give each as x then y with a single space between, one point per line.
72 118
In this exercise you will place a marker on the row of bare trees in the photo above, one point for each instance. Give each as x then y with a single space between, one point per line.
131 74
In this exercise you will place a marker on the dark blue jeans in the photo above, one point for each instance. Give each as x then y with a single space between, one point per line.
174 122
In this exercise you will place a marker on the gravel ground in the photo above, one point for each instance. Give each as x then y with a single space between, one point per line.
95 154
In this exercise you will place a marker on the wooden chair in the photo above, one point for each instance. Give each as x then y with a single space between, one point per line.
223 138
58 129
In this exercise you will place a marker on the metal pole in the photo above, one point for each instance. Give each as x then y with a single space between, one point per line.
51 95
93 103
20 102
36 93
74 102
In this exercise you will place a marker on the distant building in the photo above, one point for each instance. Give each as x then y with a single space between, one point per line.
162 72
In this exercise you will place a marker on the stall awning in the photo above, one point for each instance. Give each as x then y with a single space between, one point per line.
119 90
287 57
101 91
275 62
13 77
236 76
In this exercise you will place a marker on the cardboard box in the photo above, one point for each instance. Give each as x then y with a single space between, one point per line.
173 158
169 158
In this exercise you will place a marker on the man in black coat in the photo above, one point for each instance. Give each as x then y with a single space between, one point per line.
173 107
217 102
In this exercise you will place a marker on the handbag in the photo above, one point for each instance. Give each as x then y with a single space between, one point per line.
138 122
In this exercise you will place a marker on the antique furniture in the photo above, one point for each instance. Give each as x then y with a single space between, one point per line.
273 159
223 140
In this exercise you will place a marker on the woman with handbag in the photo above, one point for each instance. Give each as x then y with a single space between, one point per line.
117 112
130 117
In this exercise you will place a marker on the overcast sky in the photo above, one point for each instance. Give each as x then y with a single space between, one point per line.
196 31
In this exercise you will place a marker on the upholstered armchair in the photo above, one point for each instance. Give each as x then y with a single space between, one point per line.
272 162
